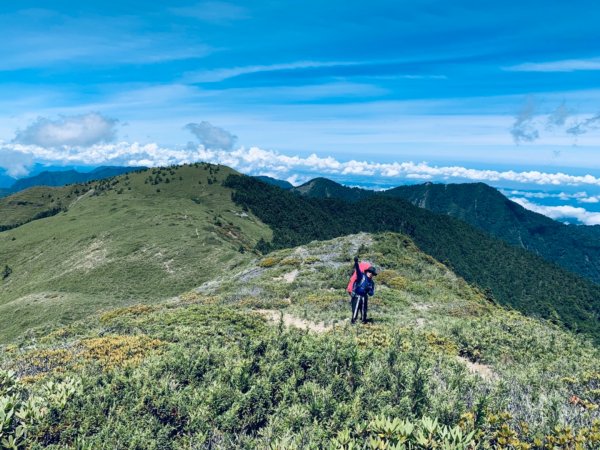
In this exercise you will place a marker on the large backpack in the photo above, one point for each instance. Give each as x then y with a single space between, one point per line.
364 265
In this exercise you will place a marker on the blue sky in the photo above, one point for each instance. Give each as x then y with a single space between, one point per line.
477 91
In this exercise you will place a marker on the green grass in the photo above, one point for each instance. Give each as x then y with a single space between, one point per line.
513 276
121 242
34 203
207 369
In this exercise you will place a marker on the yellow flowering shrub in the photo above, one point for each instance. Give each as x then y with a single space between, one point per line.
291 261
134 310
393 280
376 336
39 362
119 351
269 261
321 298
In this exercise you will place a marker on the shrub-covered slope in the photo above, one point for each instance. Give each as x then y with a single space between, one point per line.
576 248
262 357
144 236
512 275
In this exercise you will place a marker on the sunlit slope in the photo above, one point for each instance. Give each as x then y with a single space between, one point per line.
513 276
139 237
263 356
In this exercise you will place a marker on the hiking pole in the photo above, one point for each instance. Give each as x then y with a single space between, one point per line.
355 312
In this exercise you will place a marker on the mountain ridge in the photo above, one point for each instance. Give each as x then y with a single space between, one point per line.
574 247
514 276
65 177
256 358
98 242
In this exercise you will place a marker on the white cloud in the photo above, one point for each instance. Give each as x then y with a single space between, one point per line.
80 130
561 211
594 199
582 196
255 160
297 180
211 136
16 164
566 65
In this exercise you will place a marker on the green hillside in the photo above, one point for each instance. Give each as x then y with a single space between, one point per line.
34 203
152 234
263 357
511 275
574 247
64 177
144 236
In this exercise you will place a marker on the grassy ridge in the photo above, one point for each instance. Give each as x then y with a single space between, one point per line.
32 204
126 239
513 276
208 371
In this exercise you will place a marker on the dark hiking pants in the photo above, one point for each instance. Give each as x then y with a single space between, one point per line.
359 305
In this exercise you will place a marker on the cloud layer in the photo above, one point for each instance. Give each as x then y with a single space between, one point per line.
561 211
79 130
255 160
580 197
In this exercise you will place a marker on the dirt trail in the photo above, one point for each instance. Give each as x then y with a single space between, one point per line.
289 277
86 194
293 321
482 370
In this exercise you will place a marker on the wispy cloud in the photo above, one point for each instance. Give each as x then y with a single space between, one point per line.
221 74
558 117
565 65
80 130
591 123
48 38
561 212
213 12
211 136
524 129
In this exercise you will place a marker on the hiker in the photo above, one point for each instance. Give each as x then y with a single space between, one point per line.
362 287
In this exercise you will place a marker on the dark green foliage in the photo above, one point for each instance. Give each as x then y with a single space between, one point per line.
39 215
275 182
228 377
514 276
575 248
324 188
